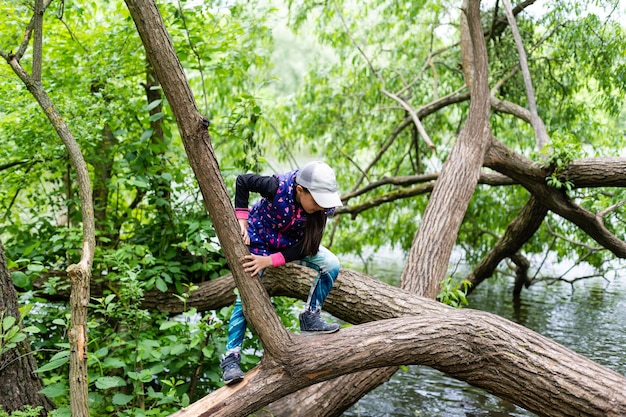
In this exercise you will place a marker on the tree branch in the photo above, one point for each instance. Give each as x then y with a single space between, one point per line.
484 351
532 177
541 134
518 232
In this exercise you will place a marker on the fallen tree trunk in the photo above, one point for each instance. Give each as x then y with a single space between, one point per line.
485 350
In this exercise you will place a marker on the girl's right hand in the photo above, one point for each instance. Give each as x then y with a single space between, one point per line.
243 230
254 264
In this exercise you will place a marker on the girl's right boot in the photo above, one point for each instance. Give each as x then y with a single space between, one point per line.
231 372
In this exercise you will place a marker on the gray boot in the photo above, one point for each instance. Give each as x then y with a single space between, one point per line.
231 372
311 323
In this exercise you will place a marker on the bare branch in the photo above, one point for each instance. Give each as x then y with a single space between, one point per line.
405 105
540 130
611 208
38 41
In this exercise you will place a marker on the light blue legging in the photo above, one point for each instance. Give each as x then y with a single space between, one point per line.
327 266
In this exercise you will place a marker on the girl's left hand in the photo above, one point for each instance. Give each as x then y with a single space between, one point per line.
253 264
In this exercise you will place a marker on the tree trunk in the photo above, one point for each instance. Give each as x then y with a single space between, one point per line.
480 348
428 259
18 369
79 273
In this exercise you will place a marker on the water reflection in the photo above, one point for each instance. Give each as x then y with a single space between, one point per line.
588 318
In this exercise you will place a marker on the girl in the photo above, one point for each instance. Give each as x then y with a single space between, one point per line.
286 225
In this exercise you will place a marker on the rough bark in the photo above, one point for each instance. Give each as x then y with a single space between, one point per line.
458 343
18 368
357 298
427 263
193 129
532 177
482 349
103 166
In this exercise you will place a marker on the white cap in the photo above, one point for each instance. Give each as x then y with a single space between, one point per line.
319 179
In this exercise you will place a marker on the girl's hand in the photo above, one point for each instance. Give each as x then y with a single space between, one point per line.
253 264
243 230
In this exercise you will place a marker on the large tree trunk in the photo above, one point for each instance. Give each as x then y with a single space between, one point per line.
18 369
480 348
428 259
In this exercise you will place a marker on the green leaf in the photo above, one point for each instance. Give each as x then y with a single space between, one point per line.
113 363
102 352
146 134
54 390
177 350
35 267
54 364
156 116
16 337
161 284
121 399
7 323
151 105
31 248
20 279
143 376
167 324
59 322
107 382
31 329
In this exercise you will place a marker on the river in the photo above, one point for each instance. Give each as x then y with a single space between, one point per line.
588 317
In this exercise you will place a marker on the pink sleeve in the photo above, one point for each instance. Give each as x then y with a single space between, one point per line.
241 213
277 259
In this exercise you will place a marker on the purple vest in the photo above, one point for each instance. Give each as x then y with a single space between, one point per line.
277 223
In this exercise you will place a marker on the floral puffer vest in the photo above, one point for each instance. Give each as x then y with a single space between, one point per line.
278 223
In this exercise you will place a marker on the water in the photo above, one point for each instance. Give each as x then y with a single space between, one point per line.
588 317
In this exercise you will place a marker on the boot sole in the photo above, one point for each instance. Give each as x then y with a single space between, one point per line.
234 380
314 332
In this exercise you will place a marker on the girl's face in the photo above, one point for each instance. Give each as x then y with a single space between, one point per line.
306 200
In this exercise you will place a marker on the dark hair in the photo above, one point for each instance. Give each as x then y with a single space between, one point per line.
313 231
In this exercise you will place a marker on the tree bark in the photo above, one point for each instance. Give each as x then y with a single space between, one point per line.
18 368
195 136
482 349
427 263
522 228
532 177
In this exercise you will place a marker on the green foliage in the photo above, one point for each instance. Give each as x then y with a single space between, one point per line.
454 293
12 332
28 411
563 152
153 232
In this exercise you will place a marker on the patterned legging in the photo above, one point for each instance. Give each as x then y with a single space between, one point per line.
327 266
